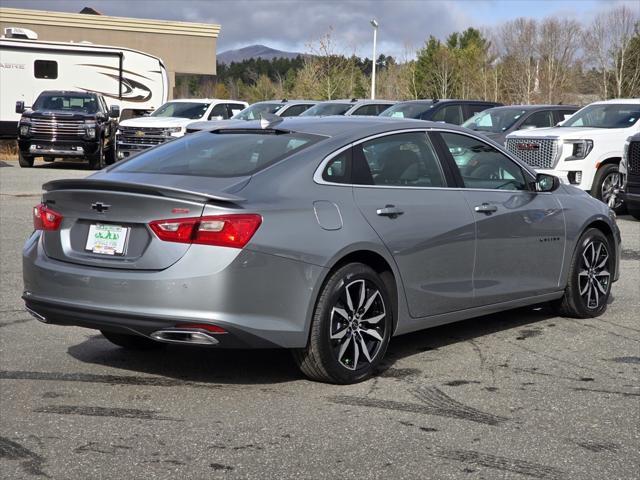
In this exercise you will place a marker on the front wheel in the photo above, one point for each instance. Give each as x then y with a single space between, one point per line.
351 327
25 161
97 160
606 186
589 284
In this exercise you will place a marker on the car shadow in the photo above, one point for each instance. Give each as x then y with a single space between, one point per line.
271 366
63 165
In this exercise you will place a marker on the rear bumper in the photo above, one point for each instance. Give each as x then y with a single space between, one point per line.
262 300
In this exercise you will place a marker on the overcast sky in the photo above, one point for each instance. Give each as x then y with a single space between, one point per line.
293 25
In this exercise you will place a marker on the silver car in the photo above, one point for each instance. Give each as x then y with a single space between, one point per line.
326 236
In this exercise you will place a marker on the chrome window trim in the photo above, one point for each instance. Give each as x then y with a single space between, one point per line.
317 176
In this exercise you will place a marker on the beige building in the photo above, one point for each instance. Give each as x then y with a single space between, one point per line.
184 47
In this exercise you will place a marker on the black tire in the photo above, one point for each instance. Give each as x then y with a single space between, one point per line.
97 161
367 325
589 286
112 155
25 161
131 342
601 188
634 212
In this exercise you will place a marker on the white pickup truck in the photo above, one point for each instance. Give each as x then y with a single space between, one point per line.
170 121
584 150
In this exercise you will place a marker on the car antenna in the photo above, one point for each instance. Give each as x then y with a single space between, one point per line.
268 120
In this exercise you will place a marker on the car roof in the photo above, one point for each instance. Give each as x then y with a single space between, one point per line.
618 100
67 92
535 107
337 125
210 100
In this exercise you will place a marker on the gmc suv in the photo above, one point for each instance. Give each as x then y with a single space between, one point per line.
585 150
63 124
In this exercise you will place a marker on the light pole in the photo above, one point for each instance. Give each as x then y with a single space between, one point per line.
374 24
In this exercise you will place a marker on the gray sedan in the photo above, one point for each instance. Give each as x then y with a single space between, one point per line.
326 236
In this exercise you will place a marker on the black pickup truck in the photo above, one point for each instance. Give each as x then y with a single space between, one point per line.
63 124
630 170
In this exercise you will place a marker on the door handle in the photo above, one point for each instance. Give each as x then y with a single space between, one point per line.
486 208
390 211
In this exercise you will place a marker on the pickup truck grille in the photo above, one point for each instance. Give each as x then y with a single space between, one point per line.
56 128
142 136
633 159
539 153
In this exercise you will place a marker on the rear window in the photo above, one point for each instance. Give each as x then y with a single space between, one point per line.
219 153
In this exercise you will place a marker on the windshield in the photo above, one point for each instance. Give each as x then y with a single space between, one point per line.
222 153
253 112
604 115
323 109
494 120
71 103
191 110
407 110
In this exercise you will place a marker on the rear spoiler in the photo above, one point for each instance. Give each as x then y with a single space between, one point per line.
141 188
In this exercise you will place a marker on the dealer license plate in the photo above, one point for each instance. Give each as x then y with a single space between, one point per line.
107 239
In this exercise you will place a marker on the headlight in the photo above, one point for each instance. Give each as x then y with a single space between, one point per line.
581 148
170 131
24 129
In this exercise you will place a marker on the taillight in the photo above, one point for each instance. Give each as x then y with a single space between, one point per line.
45 218
234 230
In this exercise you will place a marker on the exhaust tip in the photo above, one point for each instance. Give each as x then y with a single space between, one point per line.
192 337
36 315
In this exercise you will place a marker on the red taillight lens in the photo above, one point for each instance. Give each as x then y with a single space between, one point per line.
45 218
202 326
233 230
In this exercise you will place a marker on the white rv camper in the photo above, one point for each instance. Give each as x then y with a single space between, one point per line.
135 81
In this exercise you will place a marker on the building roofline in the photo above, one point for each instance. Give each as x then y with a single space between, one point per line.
105 22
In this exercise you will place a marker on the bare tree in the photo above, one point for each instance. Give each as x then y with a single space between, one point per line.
558 44
608 40
518 50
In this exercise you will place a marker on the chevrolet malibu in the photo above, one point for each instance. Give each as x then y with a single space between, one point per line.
326 236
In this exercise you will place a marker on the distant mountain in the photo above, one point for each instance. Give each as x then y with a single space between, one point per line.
254 51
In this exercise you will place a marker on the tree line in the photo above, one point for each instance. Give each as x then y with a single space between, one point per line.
524 61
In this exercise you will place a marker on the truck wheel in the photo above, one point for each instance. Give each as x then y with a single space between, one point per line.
25 161
350 329
96 161
589 285
606 182
634 212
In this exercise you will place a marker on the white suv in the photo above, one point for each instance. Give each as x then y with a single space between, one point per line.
584 150
170 121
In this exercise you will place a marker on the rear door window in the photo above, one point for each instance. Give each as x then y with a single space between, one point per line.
219 111
295 110
366 110
398 160
539 120
449 114
338 170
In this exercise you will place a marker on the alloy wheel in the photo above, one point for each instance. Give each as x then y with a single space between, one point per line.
594 277
357 325
610 188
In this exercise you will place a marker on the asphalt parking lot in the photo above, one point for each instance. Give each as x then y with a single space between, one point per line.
517 395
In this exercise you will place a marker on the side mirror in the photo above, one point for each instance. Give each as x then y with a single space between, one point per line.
19 106
546 182
114 111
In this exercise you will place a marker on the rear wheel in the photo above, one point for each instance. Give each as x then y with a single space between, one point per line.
131 342
589 285
25 161
351 327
